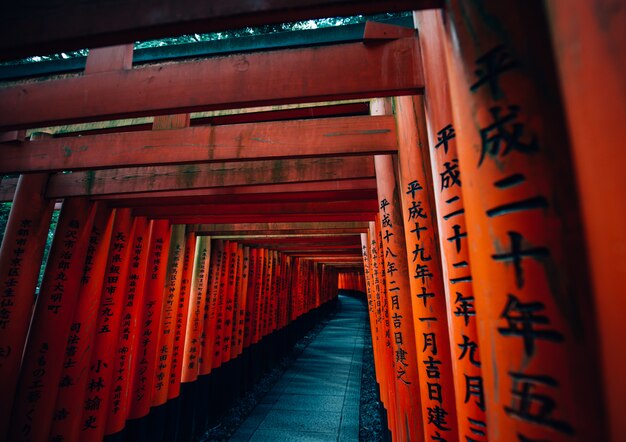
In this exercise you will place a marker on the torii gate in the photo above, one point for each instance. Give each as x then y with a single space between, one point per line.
455 199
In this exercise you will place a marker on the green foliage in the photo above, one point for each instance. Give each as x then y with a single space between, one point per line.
5 209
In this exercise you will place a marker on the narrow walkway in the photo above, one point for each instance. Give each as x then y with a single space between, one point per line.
317 399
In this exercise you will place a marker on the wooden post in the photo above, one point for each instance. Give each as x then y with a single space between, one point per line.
535 314
151 306
220 305
211 309
43 358
589 41
199 295
182 315
401 318
77 356
20 261
127 340
101 369
171 292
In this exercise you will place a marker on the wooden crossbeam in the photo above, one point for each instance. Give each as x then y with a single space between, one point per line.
164 178
336 72
263 208
285 139
29 28
234 192
269 218
286 230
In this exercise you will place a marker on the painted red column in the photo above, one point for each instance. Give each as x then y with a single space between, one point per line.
101 370
42 364
198 298
250 299
68 411
535 310
171 292
230 301
128 335
146 353
20 260
453 239
211 308
401 318
221 300
589 41
182 315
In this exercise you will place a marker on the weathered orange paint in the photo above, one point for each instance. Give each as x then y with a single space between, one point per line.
128 335
453 240
24 240
182 316
197 303
364 135
298 75
430 311
248 331
102 368
211 308
42 364
77 356
535 312
221 300
393 253
167 329
151 306
230 304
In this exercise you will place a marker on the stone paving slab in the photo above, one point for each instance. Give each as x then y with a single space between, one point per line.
317 399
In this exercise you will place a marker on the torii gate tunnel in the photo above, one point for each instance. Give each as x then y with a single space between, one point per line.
460 165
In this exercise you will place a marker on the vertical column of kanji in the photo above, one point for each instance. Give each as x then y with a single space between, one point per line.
171 292
211 308
258 295
222 296
242 289
378 270
183 314
231 302
68 412
275 290
374 320
267 293
108 322
250 299
20 260
197 302
393 253
121 382
42 363
590 43
528 260
151 305
452 227
427 286
262 271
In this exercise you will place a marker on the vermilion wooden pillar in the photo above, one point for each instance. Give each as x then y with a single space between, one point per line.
211 308
171 292
427 283
127 340
242 292
77 356
20 260
379 274
401 319
230 302
199 294
535 315
250 299
108 321
50 326
182 315
453 239
589 39
146 353
222 295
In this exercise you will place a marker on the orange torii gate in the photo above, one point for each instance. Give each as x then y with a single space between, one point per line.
209 242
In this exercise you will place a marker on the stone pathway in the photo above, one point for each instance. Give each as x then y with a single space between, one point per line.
317 399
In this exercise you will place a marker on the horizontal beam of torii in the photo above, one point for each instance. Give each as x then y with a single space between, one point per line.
32 28
335 72
362 135
287 230
170 178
